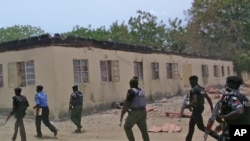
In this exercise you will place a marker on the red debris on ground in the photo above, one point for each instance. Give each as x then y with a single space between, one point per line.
166 127
214 96
163 100
212 90
155 129
149 108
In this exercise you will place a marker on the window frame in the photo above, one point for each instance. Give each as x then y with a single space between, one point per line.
138 70
216 71
81 71
155 71
109 70
26 73
204 71
1 76
172 71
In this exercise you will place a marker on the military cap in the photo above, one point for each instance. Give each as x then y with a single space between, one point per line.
234 79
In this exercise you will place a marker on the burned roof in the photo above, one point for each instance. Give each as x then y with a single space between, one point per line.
69 41
47 40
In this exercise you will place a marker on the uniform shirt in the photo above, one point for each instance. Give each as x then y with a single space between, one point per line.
76 99
231 102
199 92
41 99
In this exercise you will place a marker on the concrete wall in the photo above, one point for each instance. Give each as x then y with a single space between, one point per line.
54 70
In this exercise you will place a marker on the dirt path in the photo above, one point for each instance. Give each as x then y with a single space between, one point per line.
104 126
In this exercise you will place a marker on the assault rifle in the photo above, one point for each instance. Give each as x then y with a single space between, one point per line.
214 113
7 119
184 103
69 113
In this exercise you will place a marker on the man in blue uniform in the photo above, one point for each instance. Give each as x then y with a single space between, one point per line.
232 110
75 105
42 104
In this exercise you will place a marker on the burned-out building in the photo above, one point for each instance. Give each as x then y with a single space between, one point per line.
101 69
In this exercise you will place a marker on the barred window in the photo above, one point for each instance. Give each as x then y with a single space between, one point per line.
138 70
1 75
172 70
204 71
81 74
222 71
216 71
110 71
155 71
21 74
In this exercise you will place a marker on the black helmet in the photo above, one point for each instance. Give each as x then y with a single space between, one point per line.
235 81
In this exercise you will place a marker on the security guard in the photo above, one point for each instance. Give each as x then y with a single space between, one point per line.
135 105
20 104
197 96
232 110
42 103
76 106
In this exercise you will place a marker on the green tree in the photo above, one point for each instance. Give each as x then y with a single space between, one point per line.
242 61
176 36
79 31
18 32
98 34
120 33
141 30
220 25
145 30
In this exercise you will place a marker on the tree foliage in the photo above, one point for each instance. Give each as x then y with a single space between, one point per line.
142 30
145 30
215 28
176 37
221 26
18 32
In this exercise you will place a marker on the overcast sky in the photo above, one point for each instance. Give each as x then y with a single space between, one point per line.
58 16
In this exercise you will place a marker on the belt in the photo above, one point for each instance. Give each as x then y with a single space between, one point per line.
138 109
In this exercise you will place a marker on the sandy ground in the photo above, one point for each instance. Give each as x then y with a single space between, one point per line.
103 126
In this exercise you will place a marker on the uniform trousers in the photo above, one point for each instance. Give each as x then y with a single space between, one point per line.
76 115
136 117
45 118
197 119
19 124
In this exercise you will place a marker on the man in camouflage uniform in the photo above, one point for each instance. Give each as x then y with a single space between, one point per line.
76 106
232 111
